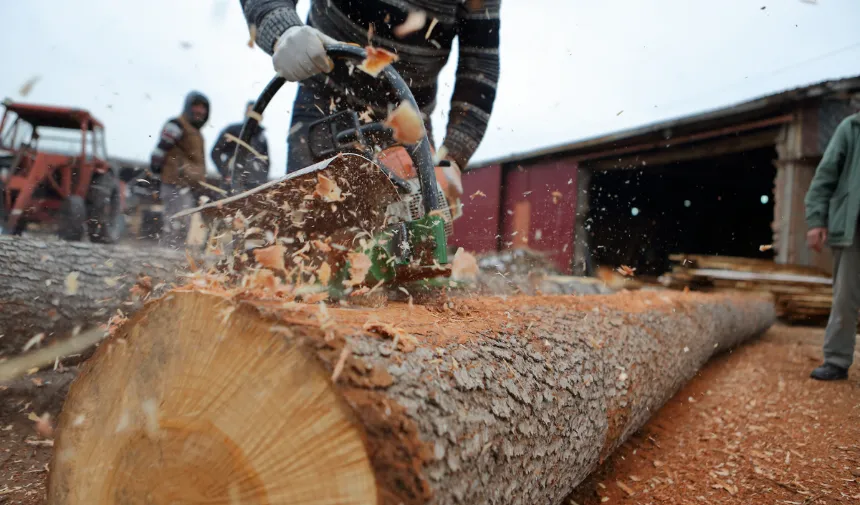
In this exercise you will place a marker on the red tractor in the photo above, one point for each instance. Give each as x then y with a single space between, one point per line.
54 170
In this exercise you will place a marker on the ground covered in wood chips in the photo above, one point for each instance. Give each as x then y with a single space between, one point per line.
751 428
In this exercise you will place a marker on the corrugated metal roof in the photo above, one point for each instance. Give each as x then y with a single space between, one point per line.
744 111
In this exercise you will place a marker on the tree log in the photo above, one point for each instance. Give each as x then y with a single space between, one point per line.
51 286
231 398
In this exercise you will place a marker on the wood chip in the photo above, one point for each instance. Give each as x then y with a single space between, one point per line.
72 283
415 21
232 138
476 194
271 257
464 267
34 340
327 189
341 361
407 124
624 487
324 273
377 59
359 266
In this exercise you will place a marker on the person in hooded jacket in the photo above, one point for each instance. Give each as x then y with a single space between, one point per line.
251 171
180 162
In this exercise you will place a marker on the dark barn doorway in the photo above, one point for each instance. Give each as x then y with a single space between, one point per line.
714 206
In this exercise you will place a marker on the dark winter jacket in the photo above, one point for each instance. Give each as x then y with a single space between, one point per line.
250 170
422 54
833 199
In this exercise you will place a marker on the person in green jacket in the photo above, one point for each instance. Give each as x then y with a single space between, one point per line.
832 206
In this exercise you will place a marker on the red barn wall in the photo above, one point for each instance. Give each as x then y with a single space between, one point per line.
539 209
477 229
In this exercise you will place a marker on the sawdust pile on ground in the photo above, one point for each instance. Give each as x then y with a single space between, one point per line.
751 428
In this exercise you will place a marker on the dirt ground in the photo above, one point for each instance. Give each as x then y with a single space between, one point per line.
751 428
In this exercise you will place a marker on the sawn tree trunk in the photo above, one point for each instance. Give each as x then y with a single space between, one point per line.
229 398
51 286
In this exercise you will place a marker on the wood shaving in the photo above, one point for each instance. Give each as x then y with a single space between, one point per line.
377 59
271 257
232 138
359 266
361 291
624 487
766 247
430 28
43 424
464 267
34 340
71 283
321 246
341 361
324 273
252 32
27 87
327 189
407 342
477 194
407 124
626 271
556 196
415 21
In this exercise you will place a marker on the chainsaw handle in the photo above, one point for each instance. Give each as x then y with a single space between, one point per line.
420 152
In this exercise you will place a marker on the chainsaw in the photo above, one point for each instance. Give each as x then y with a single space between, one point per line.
371 210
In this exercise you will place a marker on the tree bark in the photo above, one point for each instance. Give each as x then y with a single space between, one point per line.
249 400
38 295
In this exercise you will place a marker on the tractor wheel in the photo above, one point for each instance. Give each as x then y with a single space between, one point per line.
4 216
106 222
72 218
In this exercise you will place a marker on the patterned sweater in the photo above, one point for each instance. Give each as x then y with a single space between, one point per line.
422 54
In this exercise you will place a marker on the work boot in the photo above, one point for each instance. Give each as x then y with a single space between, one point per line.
829 372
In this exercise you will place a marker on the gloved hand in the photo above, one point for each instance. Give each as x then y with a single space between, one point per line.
300 53
453 176
453 187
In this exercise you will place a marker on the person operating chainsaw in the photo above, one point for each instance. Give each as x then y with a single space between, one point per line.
420 32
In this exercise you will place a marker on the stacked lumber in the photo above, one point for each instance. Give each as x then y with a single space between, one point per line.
233 396
800 293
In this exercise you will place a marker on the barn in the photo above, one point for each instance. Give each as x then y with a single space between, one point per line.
724 182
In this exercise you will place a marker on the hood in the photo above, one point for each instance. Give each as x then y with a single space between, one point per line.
193 98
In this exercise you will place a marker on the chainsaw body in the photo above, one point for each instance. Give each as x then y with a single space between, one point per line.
381 201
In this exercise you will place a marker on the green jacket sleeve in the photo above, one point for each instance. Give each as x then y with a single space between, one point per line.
826 177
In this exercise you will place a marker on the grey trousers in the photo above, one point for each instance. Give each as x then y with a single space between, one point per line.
841 334
175 231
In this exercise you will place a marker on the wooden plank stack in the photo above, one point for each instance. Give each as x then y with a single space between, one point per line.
800 293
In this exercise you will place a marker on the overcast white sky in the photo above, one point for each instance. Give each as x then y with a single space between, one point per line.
568 66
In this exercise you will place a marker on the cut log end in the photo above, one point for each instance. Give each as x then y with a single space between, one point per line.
195 401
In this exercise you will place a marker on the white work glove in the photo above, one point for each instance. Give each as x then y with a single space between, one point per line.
451 171
453 176
300 53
